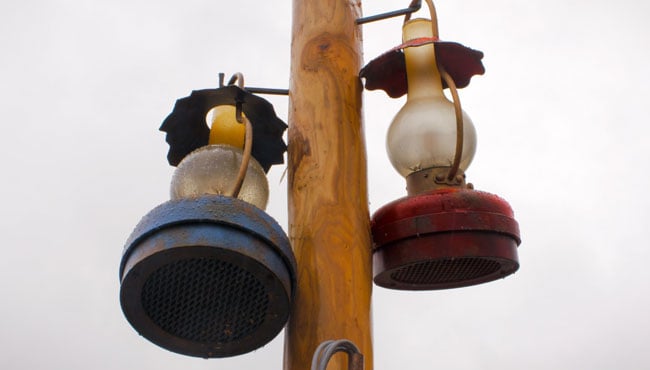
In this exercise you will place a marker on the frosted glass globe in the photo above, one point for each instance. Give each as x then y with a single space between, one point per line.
423 135
213 169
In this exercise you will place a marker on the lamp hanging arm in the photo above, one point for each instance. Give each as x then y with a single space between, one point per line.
248 145
459 122
413 7
327 349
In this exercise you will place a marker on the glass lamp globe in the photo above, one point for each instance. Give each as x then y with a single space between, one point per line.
224 128
423 133
213 169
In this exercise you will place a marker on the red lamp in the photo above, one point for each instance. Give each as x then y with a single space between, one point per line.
443 234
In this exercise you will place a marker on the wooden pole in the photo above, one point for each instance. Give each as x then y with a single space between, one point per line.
328 201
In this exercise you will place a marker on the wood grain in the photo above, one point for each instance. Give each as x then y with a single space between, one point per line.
328 201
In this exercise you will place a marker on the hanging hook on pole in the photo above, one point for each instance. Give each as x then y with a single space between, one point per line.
253 90
237 77
327 349
413 7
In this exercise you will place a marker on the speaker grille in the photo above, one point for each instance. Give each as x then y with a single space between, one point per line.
205 300
445 271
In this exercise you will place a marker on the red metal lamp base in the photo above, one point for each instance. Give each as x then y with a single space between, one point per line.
444 239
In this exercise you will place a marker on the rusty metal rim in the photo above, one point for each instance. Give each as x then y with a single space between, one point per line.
213 209
443 210
443 222
215 237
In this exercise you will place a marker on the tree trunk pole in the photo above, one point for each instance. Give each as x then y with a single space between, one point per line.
328 200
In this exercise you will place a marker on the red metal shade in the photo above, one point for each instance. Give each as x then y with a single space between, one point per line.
444 239
388 71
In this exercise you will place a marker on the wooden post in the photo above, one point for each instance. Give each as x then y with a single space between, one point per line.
328 201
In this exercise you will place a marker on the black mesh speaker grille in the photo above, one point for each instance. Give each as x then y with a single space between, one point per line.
445 271
205 300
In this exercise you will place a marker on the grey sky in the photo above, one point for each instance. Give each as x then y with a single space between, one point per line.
560 116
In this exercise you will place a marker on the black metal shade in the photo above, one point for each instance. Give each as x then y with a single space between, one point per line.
187 129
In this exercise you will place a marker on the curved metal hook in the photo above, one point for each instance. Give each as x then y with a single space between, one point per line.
246 157
327 349
239 78
459 122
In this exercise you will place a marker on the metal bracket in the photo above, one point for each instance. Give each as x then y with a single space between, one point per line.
413 7
254 90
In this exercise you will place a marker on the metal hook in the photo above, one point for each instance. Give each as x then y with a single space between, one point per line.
327 349
239 78
413 7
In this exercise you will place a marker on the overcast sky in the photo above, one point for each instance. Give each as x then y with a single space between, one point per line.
561 116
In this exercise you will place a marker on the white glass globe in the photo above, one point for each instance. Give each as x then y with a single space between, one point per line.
213 169
423 135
